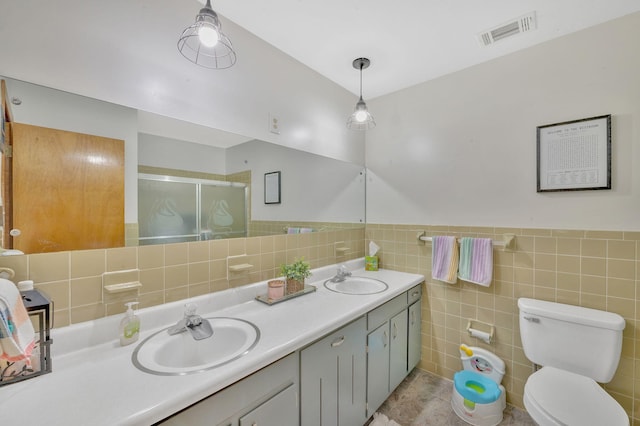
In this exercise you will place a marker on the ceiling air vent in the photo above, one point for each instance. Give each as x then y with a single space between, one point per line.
517 26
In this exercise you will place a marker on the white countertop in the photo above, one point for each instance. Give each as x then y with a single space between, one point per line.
94 381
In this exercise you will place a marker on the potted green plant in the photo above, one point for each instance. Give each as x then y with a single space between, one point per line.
295 274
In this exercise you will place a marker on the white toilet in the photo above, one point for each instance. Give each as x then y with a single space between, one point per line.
577 347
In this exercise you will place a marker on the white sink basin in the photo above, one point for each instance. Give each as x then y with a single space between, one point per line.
357 285
167 355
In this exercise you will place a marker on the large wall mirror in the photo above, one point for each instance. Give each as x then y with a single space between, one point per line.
317 193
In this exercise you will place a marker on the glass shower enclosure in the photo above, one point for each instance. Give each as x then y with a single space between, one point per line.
176 209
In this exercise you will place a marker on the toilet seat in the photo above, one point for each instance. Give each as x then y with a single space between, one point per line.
558 397
475 387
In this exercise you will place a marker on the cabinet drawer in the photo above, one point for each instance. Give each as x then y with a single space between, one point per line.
414 294
224 407
338 340
280 410
384 312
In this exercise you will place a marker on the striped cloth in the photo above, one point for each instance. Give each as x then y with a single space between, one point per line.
17 337
444 259
476 261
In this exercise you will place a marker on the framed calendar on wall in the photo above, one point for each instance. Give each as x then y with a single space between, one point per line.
574 155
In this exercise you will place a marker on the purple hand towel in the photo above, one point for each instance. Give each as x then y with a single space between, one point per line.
444 259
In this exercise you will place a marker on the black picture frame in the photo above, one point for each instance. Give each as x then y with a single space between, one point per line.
272 188
574 155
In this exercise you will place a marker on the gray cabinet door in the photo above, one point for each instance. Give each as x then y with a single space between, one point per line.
377 367
267 397
333 378
415 335
280 410
398 349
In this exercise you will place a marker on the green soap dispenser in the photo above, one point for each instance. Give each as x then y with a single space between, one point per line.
129 326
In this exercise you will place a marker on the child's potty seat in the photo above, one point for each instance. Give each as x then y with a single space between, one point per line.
475 387
478 398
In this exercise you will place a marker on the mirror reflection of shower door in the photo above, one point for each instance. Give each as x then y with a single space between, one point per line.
223 211
167 212
174 209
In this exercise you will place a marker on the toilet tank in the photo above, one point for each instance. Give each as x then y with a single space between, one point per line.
581 340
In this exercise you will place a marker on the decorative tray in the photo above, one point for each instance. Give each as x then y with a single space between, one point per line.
306 290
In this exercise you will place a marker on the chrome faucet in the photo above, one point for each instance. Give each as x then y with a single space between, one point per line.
199 327
341 275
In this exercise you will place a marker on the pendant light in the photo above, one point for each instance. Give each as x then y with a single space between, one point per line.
361 119
204 44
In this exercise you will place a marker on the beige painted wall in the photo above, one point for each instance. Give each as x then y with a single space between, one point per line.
461 149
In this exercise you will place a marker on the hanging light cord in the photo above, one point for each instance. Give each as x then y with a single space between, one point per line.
361 65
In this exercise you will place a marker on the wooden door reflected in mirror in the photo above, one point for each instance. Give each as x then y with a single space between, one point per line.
68 190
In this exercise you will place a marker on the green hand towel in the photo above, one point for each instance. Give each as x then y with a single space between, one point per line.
466 246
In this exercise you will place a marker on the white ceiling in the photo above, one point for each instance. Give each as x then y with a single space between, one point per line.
407 41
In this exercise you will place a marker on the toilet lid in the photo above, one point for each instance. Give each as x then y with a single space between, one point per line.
572 399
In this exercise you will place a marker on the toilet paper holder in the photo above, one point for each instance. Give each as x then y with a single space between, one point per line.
485 336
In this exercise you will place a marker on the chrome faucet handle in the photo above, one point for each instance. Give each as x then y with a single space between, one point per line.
343 271
194 321
341 274
190 309
198 327
191 318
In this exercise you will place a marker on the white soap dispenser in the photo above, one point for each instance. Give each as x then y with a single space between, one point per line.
129 326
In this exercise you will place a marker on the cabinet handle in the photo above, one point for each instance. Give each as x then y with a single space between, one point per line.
385 339
395 330
415 293
337 342
413 317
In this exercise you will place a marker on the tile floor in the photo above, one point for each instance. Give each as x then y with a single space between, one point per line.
425 399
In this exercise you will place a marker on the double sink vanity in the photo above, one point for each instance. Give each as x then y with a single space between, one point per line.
329 357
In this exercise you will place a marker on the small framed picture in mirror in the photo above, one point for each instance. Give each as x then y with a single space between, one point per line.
272 188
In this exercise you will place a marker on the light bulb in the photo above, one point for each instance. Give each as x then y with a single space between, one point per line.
208 35
361 116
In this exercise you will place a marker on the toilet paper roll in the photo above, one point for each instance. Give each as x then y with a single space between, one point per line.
25 285
485 337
